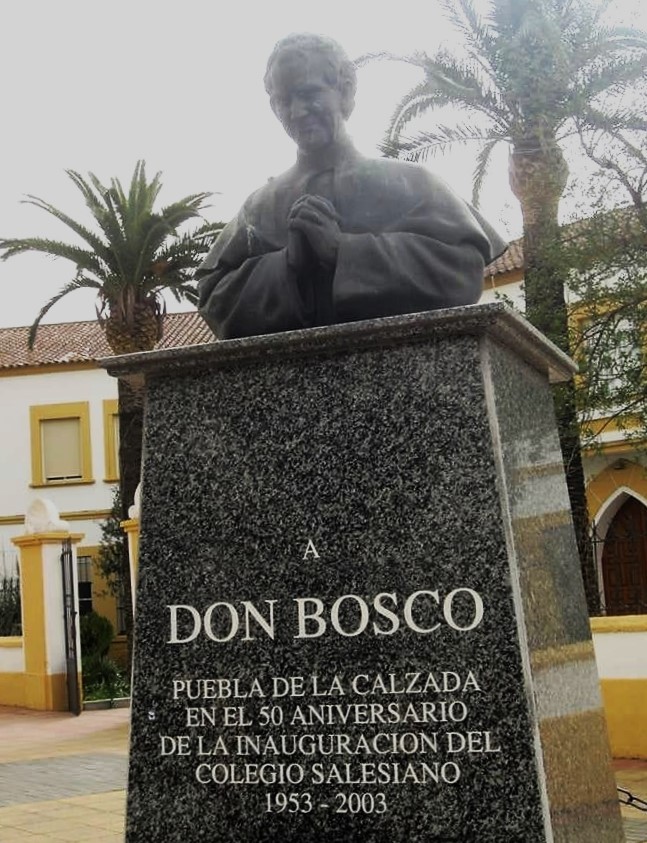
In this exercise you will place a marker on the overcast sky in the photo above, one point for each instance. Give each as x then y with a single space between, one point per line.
96 86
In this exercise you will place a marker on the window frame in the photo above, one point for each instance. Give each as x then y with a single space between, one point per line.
40 413
110 450
90 556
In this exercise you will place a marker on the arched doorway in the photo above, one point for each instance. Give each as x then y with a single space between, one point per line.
624 560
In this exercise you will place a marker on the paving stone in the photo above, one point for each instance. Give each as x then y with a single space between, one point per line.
635 830
56 778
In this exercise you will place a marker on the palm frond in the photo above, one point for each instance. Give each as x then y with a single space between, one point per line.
185 209
425 143
623 119
417 59
164 226
176 262
93 198
82 231
185 292
622 38
481 168
530 67
477 35
82 258
81 282
612 75
100 201
416 102
438 91
463 84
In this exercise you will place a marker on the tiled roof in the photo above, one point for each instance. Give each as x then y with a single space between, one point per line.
78 342
510 260
81 342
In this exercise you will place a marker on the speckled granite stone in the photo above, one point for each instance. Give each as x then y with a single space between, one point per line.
391 457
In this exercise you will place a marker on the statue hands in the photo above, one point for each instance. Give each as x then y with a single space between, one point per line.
313 222
299 252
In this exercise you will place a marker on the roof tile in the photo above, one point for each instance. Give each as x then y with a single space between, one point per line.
510 260
79 342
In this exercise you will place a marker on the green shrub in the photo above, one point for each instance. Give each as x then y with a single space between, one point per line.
96 635
102 679
10 617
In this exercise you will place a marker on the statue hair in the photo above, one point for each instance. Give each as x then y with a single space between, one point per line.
342 68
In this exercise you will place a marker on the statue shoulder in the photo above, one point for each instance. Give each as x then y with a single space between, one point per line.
391 170
264 196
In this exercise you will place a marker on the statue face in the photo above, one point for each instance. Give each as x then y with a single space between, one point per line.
310 108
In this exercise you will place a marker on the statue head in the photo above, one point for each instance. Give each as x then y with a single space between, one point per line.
311 83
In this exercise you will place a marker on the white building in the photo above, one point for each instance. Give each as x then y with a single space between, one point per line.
59 436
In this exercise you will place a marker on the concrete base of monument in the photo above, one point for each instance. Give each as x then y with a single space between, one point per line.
360 614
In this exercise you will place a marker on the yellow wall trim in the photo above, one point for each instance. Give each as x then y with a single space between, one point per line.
619 623
39 693
37 539
10 641
85 515
12 689
627 446
110 444
46 692
47 368
51 483
625 706
502 279
613 424
79 515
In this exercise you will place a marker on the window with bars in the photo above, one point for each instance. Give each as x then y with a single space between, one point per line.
84 568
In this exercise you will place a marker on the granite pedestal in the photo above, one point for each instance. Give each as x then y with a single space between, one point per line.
360 615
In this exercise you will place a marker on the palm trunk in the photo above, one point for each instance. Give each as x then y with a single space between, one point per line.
132 325
538 177
130 456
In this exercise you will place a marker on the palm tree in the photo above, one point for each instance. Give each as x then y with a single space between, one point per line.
528 73
130 257
136 254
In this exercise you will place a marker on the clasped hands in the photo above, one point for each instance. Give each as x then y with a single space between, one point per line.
313 232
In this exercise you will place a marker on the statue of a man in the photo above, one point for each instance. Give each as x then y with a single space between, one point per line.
338 237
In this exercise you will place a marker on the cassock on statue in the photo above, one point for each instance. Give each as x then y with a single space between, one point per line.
408 244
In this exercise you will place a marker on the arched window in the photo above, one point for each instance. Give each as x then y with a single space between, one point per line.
624 561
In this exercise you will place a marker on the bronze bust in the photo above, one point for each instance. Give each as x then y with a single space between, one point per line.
338 237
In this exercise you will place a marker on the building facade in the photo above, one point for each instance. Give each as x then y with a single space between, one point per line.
59 437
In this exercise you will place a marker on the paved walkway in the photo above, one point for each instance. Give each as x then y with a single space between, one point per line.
63 778
632 776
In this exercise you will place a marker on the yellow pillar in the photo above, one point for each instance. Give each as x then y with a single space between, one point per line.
43 617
